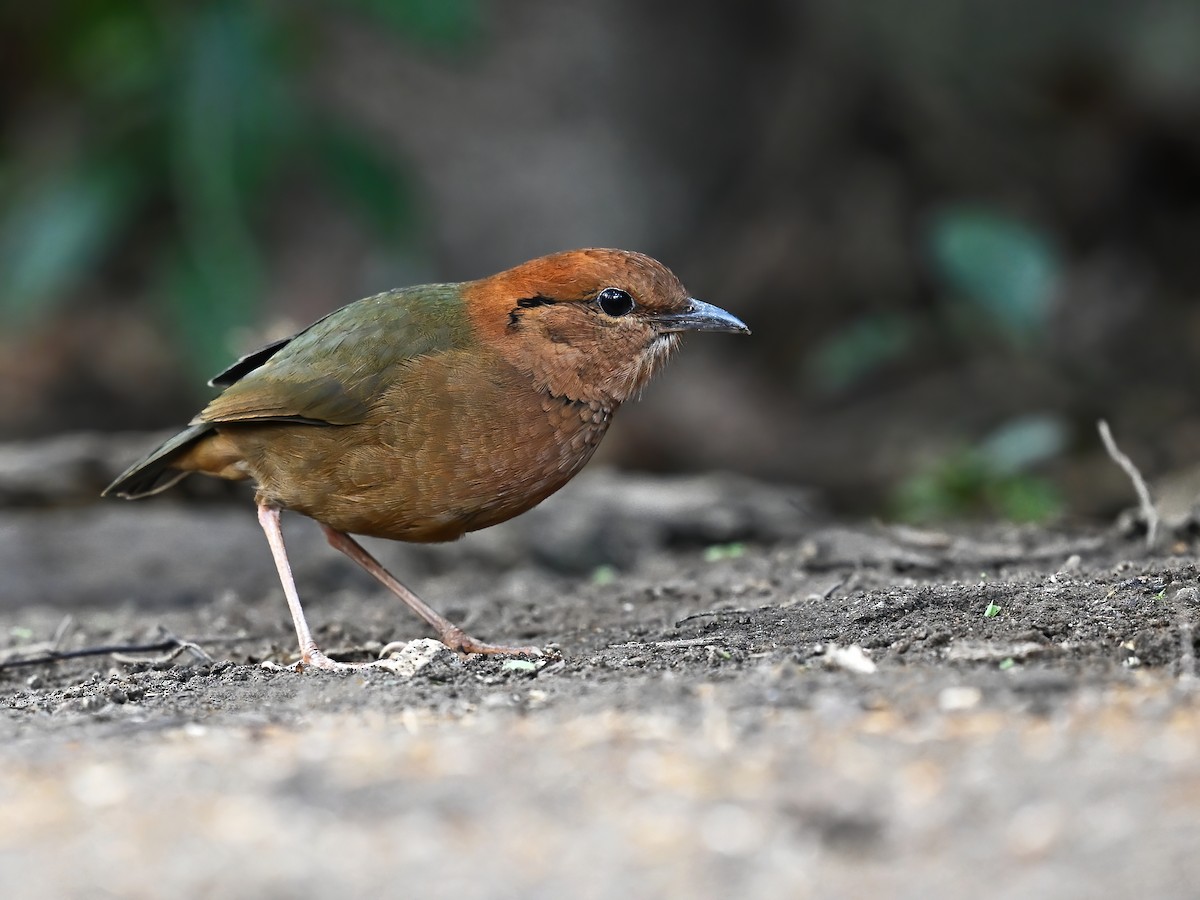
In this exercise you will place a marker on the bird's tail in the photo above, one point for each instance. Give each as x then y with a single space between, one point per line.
155 473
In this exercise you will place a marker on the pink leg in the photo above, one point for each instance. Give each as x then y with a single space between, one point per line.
310 653
448 633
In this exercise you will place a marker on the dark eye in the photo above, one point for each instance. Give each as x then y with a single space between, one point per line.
614 301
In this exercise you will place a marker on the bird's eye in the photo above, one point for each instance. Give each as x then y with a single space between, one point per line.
614 301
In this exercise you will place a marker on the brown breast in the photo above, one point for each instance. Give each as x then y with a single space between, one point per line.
458 443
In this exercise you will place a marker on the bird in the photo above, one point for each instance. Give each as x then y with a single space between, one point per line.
423 413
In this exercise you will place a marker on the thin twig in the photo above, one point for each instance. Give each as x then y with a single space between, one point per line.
685 642
836 586
181 646
53 656
170 646
1149 510
711 614
44 647
61 632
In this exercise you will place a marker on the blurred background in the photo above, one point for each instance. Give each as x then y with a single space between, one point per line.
962 230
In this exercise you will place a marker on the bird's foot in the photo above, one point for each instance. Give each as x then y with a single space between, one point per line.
403 658
461 642
316 659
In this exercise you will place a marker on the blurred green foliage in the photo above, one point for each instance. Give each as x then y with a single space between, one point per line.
962 487
171 127
997 274
723 552
991 479
999 266
860 349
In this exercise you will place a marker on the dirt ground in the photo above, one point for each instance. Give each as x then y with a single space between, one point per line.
741 699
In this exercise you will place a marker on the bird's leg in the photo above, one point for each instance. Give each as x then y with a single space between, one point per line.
310 653
448 633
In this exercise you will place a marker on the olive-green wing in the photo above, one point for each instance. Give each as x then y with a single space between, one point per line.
332 372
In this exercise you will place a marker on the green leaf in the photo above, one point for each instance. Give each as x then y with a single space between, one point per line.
1022 443
961 485
55 231
518 665
721 552
602 575
991 479
992 611
1005 268
948 489
859 350
1025 498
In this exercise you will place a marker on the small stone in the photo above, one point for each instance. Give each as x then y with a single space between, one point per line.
852 659
1073 564
959 699
407 659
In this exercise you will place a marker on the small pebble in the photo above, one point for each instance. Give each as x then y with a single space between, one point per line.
958 699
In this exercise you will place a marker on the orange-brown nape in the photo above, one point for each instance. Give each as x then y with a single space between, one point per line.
423 413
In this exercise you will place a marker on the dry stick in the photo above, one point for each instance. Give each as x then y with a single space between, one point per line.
685 642
713 614
1187 653
43 647
181 646
836 586
169 645
61 632
103 650
1149 510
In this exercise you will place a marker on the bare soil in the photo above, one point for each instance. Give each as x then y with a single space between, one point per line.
740 698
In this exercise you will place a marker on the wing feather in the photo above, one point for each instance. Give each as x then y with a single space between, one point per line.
333 371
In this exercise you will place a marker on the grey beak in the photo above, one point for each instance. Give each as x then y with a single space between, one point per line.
700 316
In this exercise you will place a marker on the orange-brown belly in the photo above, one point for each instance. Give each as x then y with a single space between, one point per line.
430 470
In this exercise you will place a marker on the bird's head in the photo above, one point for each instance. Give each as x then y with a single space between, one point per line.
591 325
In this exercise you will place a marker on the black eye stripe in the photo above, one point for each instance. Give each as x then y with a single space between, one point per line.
615 302
514 317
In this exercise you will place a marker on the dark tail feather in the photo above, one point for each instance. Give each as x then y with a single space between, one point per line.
154 473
